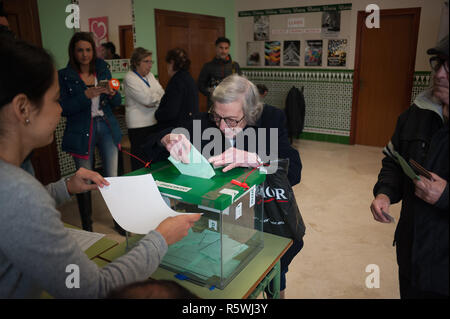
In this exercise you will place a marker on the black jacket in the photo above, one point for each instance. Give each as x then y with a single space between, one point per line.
180 101
295 112
271 117
422 233
214 72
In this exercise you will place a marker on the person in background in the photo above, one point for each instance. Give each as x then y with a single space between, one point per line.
213 72
152 289
90 120
263 90
180 102
108 51
421 237
143 94
35 246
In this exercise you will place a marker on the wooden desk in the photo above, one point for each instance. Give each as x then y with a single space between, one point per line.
262 269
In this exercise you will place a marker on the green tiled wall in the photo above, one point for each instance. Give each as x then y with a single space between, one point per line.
328 97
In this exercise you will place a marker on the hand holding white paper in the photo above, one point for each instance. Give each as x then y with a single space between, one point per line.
136 203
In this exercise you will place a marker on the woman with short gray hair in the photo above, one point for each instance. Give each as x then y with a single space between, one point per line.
237 110
143 94
235 87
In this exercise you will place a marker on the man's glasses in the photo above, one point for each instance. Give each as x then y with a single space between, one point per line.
436 63
228 121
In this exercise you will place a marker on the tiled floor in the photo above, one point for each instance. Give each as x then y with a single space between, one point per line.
342 238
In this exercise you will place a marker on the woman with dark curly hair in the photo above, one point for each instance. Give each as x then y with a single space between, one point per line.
180 102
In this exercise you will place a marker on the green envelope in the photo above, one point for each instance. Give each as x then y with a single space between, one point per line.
391 152
198 166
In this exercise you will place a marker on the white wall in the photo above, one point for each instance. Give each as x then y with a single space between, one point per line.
119 12
428 30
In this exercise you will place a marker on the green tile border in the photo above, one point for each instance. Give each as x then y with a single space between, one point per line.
272 69
325 138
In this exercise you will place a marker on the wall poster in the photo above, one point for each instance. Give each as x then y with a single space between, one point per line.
261 28
272 53
254 57
291 53
337 52
313 53
331 23
99 28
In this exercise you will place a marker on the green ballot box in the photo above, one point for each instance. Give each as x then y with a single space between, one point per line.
229 233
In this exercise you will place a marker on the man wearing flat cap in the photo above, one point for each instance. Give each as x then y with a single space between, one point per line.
422 234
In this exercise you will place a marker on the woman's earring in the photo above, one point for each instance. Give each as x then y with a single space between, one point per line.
27 121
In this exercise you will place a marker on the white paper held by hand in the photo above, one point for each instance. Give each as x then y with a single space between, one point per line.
136 203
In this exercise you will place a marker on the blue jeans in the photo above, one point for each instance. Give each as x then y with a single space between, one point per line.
102 138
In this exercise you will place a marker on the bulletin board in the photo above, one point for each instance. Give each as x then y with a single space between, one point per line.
299 37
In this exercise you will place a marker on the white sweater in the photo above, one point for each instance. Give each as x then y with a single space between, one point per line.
141 101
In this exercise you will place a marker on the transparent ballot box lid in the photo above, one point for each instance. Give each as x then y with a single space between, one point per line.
229 233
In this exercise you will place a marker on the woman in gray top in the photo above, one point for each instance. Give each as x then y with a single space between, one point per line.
36 251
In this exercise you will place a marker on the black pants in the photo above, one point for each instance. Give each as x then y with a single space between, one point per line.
286 259
138 137
409 292
85 208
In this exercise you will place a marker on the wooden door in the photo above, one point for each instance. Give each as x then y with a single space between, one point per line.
23 18
192 32
126 41
384 70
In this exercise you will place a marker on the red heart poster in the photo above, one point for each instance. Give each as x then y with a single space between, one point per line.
99 28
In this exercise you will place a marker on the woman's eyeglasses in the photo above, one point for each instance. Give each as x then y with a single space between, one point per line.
436 63
228 121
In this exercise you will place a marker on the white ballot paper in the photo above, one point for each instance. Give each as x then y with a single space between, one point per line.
136 203
85 239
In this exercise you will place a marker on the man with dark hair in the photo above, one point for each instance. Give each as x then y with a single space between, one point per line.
216 70
421 237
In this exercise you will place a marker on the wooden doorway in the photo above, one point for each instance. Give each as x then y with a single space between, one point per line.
23 18
126 41
383 78
194 33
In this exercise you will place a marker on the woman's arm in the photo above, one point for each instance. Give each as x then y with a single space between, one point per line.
140 92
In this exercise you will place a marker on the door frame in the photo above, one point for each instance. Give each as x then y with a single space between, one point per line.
122 43
415 12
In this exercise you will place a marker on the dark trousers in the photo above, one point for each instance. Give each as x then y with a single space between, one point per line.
138 137
410 292
85 208
286 259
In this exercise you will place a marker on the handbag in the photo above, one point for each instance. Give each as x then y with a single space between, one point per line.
281 213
